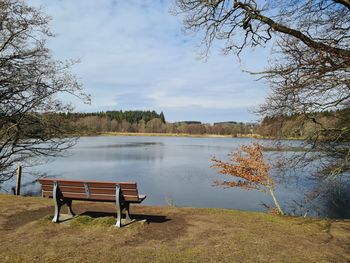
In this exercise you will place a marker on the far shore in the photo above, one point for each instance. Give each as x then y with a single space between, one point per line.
253 135
257 136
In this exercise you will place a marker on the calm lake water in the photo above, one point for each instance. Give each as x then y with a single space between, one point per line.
173 171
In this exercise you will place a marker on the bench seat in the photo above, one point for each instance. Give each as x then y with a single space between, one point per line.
65 191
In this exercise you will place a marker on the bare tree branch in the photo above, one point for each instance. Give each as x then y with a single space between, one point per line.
30 80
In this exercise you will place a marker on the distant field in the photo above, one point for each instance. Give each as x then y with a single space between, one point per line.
171 235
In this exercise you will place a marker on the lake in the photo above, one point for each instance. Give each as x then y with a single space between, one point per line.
173 171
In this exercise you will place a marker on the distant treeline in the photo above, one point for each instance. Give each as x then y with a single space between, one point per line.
303 126
129 116
294 126
151 122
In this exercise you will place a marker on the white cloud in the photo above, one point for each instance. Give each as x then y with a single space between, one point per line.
134 56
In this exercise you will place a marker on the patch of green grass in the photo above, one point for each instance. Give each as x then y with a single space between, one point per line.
81 221
85 220
104 221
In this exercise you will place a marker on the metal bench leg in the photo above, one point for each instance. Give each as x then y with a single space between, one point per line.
57 198
127 212
118 205
69 204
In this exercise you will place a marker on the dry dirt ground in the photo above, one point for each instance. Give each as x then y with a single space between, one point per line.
169 235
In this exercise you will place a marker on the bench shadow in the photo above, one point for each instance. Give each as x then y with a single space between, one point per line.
138 217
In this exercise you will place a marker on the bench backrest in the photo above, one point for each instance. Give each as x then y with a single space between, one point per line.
90 190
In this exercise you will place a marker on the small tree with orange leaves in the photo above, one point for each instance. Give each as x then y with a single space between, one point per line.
249 167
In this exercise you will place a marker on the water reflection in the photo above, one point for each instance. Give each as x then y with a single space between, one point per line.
120 145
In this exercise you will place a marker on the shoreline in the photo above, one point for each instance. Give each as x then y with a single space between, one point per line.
255 136
145 134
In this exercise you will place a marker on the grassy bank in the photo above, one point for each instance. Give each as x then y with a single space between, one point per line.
170 235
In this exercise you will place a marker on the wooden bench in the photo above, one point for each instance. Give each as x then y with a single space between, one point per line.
65 191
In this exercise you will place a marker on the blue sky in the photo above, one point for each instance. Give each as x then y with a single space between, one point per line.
134 56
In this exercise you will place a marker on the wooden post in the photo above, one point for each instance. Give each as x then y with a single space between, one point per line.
18 180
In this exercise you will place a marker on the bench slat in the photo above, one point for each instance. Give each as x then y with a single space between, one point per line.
112 191
74 189
123 186
113 185
127 185
63 183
